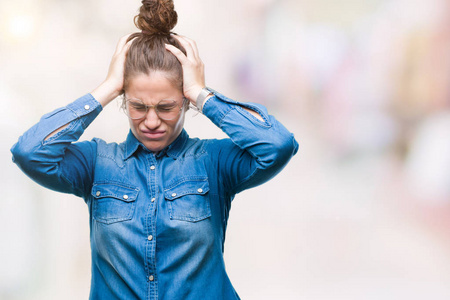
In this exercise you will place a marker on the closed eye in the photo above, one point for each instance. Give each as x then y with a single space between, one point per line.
166 107
137 106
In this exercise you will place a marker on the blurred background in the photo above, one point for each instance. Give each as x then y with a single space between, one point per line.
361 212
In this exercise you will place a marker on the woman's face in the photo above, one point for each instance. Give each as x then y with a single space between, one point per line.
152 131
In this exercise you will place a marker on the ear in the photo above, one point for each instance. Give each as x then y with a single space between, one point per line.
186 104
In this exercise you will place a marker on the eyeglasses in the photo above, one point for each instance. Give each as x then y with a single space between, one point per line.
165 109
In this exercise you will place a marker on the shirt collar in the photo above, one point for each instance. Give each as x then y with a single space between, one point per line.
173 150
131 145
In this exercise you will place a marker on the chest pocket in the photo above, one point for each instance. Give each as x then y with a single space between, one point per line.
113 202
188 200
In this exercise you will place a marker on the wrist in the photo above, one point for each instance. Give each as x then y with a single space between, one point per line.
105 93
204 94
193 93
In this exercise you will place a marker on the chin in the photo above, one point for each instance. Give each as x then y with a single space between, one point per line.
154 147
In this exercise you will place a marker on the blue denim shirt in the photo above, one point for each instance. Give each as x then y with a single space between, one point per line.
157 221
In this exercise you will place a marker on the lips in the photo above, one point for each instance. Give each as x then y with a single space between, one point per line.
153 134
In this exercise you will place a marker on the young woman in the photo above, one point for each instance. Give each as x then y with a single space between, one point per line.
159 201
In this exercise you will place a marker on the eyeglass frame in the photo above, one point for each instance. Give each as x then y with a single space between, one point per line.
147 107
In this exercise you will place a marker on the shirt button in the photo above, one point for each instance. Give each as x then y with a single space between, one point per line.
150 237
153 199
125 197
174 194
86 107
200 190
152 167
98 193
151 278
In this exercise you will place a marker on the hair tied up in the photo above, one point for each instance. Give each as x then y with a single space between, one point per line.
156 17
148 53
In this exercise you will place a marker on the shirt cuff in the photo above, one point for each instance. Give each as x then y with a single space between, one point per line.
85 108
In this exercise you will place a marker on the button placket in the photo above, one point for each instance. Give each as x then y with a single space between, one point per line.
150 240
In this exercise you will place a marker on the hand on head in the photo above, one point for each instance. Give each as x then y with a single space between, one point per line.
112 86
116 68
193 68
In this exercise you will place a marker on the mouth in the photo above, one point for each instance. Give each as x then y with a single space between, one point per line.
153 135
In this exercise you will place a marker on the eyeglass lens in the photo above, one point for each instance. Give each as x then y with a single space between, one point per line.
165 109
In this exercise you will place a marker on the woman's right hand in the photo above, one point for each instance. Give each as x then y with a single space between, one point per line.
112 87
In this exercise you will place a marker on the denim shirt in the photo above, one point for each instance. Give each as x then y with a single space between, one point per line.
157 221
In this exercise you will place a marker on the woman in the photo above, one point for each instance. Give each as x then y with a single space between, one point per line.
159 201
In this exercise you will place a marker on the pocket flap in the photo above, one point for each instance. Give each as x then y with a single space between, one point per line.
191 186
121 192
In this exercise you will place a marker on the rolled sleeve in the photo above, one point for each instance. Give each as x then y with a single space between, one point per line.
268 143
41 159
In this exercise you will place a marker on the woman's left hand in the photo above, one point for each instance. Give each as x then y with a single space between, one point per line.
193 68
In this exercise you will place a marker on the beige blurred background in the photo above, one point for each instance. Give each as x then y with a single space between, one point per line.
363 210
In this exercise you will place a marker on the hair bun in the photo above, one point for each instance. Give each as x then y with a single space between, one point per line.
156 17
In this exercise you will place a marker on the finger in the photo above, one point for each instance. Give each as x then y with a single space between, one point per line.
185 38
190 51
128 45
188 40
193 46
122 42
178 54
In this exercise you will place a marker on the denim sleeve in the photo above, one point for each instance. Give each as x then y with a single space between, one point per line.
258 149
58 163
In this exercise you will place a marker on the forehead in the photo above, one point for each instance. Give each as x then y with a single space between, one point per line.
152 88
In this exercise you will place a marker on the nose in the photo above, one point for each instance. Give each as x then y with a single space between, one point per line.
152 121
